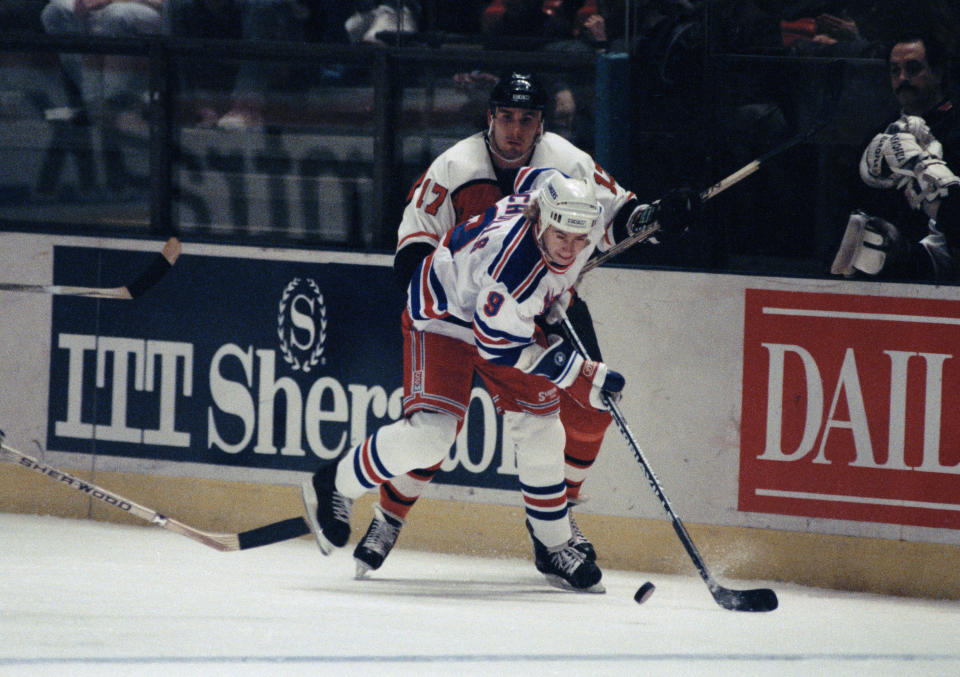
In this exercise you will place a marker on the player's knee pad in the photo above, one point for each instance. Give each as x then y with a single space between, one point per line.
424 438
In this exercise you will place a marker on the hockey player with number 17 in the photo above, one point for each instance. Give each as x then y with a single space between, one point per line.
461 183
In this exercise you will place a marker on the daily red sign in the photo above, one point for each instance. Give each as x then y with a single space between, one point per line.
851 408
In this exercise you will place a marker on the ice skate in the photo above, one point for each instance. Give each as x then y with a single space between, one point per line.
328 511
566 567
376 544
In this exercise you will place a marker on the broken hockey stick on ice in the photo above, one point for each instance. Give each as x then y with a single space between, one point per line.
648 227
761 599
161 264
265 535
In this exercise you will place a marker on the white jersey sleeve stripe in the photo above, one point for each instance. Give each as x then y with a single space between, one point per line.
422 236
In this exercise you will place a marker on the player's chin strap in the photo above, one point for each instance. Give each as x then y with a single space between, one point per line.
488 132
538 231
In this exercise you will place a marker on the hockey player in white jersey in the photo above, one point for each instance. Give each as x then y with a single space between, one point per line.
472 304
459 184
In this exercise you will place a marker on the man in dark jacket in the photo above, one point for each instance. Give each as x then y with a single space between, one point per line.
908 227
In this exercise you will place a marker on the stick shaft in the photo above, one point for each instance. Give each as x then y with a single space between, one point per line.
711 192
61 290
265 535
117 501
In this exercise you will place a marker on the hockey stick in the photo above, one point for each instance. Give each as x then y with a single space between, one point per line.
265 535
649 227
760 599
164 261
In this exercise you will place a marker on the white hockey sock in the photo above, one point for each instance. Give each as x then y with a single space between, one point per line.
415 442
538 441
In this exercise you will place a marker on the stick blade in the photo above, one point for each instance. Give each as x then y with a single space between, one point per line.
273 533
760 599
161 264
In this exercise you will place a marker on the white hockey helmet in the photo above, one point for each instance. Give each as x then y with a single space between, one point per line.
569 205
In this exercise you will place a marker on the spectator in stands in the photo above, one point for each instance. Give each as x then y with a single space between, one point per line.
907 226
568 119
110 18
233 20
374 21
807 27
829 29
600 25
529 24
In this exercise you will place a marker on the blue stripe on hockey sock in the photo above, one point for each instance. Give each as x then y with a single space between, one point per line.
375 458
547 516
358 468
558 488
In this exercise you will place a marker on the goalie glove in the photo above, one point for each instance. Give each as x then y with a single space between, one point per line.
869 245
917 126
585 380
933 180
889 159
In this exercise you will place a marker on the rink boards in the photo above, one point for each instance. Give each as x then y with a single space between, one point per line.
803 429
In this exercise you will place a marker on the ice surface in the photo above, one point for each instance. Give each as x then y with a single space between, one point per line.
88 598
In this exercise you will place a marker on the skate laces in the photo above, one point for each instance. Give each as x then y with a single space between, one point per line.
341 506
578 538
382 535
566 559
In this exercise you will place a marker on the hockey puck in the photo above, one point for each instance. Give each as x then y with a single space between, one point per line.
643 592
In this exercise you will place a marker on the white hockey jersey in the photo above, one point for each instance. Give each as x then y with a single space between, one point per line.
461 183
487 280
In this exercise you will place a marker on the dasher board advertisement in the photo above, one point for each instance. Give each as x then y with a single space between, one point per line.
258 363
851 407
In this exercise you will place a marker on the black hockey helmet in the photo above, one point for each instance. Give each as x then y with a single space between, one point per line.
518 90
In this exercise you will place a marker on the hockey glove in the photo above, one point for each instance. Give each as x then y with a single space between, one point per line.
870 245
641 217
585 380
676 212
933 181
917 126
889 159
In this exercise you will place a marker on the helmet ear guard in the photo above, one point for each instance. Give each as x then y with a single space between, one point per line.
569 205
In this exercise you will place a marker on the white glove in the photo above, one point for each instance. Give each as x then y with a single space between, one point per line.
869 244
889 159
916 125
933 180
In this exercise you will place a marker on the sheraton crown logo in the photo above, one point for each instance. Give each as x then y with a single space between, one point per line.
302 324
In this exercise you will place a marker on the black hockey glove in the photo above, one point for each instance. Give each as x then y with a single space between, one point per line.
676 212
